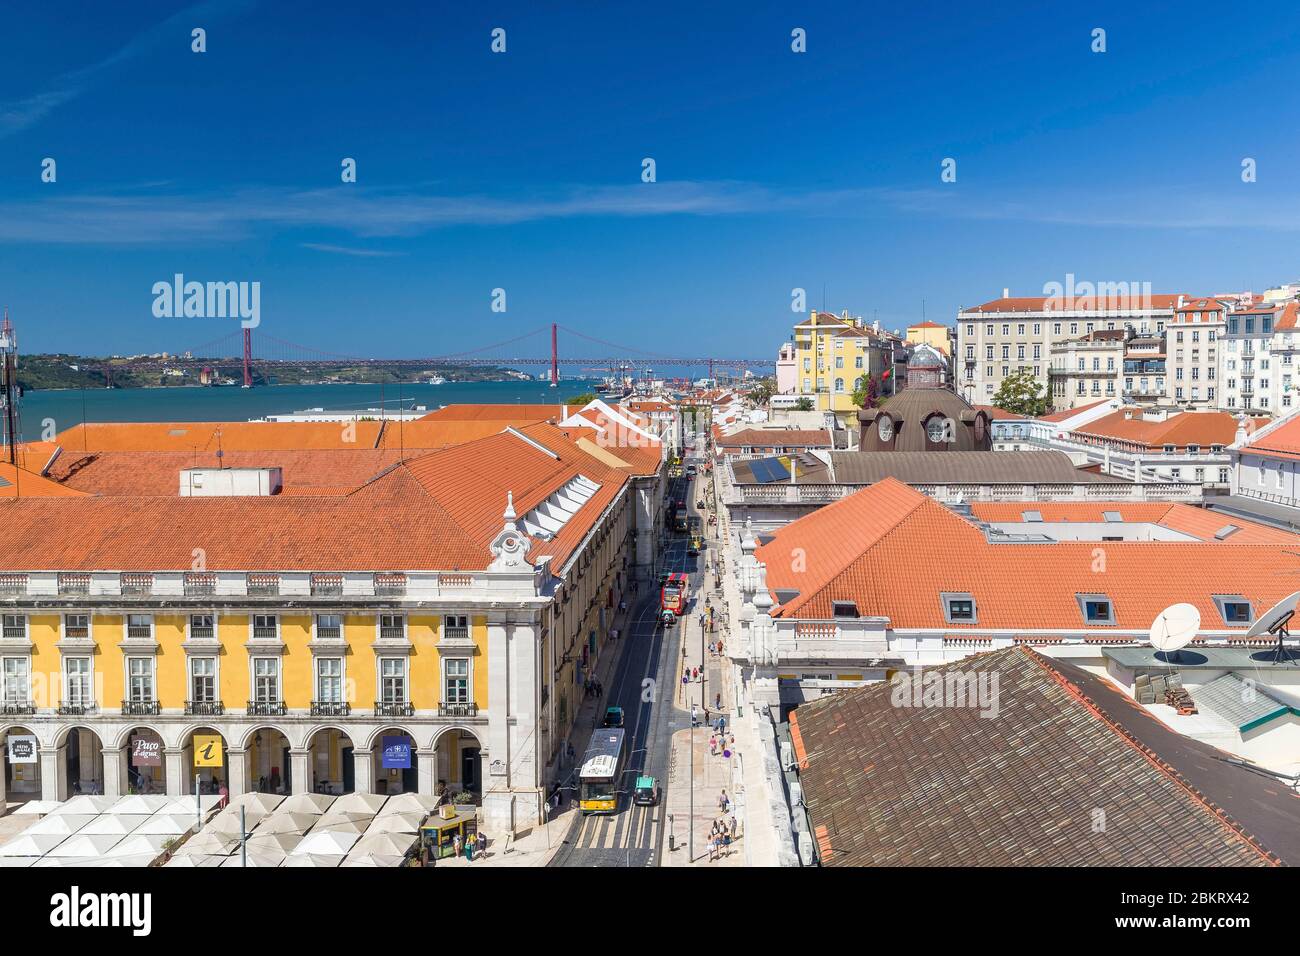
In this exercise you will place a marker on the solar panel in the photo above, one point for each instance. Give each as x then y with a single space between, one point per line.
760 471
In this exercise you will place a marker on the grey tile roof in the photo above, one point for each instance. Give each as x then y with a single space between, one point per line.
1069 772
961 467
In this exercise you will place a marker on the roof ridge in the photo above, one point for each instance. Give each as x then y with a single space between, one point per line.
1200 800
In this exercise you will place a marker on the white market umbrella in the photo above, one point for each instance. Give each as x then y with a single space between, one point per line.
31 844
367 803
143 803
208 842
17 861
330 842
117 862
396 823
38 807
63 824
79 845
140 844
410 803
341 825
185 804
312 859
262 859
254 801
56 862
195 860
86 804
227 822
306 803
374 859
383 843
281 843
119 823
281 822
165 823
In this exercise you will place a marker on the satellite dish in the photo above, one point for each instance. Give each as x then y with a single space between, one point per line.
1174 627
1277 622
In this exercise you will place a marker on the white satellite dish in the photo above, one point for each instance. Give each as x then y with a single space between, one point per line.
1174 627
1277 623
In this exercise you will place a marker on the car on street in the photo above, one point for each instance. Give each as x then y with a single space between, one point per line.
613 717
646 792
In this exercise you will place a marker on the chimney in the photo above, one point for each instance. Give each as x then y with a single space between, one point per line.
1006 293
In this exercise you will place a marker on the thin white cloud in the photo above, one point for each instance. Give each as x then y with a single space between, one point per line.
349 251
17 115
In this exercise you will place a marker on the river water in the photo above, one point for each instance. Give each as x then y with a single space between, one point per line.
47 412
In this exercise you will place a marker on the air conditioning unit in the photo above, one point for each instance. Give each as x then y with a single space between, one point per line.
796 795
787 756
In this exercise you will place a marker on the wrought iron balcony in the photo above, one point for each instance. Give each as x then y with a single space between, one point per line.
458 710
140 708
393 709
330 708
77 710
204 708
267 708
14 708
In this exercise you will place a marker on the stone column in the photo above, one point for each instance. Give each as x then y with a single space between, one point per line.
176 772
114 761
498 801
54 773
363 771
4 760
300 770
237 772
427 770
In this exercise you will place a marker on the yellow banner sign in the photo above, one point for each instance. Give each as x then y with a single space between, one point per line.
207 750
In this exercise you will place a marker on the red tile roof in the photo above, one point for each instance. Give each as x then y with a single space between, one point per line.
1040 303
209 436
1195 428
1282 442
1188 519
19 482
893 551
500 412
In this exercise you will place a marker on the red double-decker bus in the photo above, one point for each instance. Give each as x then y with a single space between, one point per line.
673 596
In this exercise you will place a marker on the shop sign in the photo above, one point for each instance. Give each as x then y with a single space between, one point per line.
207 750
22 748
146 752
397 753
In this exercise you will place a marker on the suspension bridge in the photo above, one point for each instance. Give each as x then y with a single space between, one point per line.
240 351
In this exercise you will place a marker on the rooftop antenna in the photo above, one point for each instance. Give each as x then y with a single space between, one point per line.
1278 623
1173 629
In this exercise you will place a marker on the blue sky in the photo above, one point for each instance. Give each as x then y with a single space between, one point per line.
522 170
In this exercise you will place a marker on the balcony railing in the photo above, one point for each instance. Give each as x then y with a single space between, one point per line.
329 633
455 633
200 586
201 632
14 708
263 585
13 585
330 708
392 633
204 708
326 586
458 710
265 633
74 583
390 585
139 632
136 583
393 709
267 708
77 710
140 708
14 632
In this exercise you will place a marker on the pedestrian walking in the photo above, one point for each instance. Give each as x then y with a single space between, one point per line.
694 715
713 746
734 827
469 849
724 802
456 844
717 703
480 843
695 673
707 719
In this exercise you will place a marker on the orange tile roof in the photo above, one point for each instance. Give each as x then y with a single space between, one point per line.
1283 441
893 552
1070 412
500 412
208 436
437 512
1039 303
927 325
437 433
157 473
1188 519
1196 428
19 482
997 414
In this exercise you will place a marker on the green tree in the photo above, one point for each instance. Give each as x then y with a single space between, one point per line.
804 405
761 393
865 394
586 398
1019 394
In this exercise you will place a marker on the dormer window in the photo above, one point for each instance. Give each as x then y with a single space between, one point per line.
844 609
1234 609
1097 609
958 608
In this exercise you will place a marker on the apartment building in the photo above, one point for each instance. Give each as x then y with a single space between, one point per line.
1260 343
1011 333
452 603
1193 352
834 351
1087 369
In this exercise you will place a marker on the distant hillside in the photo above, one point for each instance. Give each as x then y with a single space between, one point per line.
72 371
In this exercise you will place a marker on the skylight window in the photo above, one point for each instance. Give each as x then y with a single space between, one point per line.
546 520
1113 516
1234 609
1031 515
844 609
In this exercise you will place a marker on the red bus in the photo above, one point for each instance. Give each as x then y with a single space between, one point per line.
673 597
